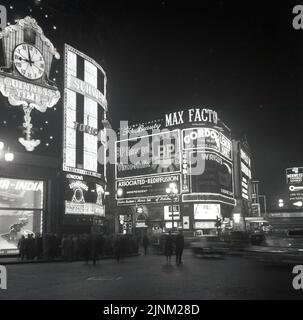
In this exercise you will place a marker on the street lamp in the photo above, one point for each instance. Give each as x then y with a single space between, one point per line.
8 155
172 191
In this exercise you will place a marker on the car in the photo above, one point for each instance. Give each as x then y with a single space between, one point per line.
209 246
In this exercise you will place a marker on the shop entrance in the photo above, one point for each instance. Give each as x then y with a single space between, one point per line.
21 212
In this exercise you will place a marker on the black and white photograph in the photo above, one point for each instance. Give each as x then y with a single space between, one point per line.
151 153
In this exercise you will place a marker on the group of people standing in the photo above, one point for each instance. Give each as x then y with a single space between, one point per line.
30 247
91 247
76 247
171 243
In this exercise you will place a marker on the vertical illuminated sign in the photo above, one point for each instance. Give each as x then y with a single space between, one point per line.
294 179
246 174
85 107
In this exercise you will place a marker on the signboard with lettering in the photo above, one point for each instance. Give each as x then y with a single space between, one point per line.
245 174
148 155
208 139
192 115
84 110
294 180
21 211
83 196
149 187
217 177
25 78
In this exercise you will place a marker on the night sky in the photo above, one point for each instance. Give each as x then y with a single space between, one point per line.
243 59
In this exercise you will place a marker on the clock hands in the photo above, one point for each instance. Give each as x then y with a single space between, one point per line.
26 58
23 59
29 57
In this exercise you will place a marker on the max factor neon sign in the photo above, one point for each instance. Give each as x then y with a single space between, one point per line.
192 115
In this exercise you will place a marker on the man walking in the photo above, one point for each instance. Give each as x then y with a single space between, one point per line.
179 247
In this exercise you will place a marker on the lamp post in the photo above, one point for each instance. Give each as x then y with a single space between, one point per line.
172 191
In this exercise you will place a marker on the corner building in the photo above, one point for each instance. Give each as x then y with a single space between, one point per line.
191 148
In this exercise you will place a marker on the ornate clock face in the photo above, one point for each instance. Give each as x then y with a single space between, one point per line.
29 61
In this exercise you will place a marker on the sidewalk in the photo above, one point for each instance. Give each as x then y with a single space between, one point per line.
16 260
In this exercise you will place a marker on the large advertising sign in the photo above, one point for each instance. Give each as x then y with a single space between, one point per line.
148 155
245 174
21 205
83 196
216 181
294 180
146 189
24 79
207 138
84 110
207 211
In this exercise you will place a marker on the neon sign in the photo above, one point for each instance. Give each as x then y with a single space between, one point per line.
192 115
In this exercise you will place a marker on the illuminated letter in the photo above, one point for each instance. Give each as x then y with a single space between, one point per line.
3 17
297 282
190 115
297 22
168 120
3 278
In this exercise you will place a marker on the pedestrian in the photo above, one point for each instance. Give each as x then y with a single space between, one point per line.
70 248
179 247
117 248
22 248
64 247
93 248
168 247
75 247
145 243
39 245
86 248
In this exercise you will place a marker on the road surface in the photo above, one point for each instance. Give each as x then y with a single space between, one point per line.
151 278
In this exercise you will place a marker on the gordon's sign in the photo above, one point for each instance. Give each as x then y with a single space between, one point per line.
207 138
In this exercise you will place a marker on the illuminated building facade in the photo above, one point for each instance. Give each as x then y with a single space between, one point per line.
194 150
49 182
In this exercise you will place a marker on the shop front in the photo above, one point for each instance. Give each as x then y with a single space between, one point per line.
27 199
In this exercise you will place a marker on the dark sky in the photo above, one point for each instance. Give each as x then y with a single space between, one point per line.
243 59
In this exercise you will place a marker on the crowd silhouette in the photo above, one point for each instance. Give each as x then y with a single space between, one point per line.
76 247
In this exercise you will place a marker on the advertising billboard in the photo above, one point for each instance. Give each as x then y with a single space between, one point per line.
21 208
245 174
148 155
208 139
84 109
24 77
207 211
145 189
83 196
294 180
216 179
